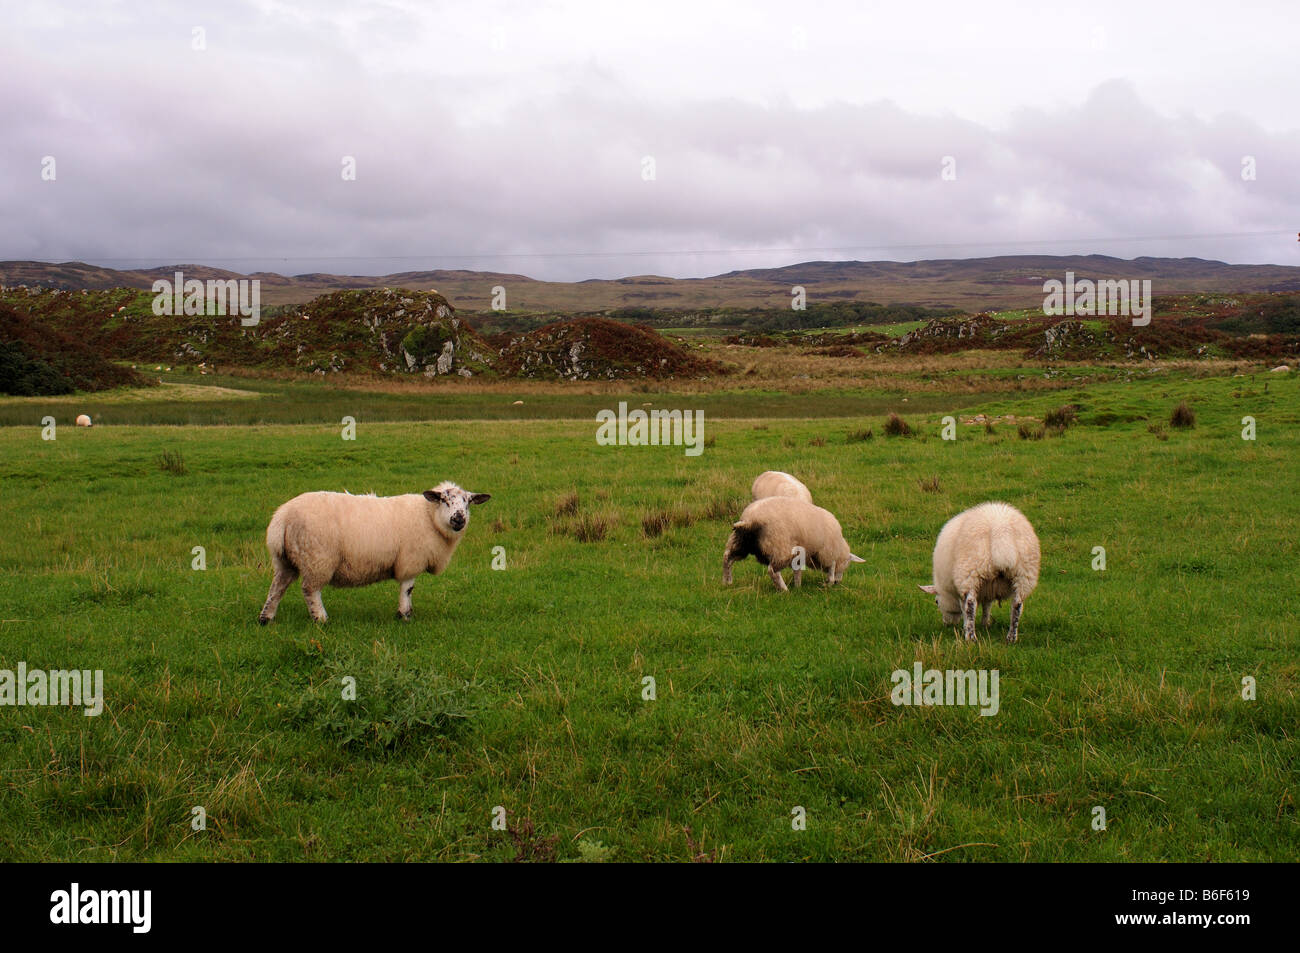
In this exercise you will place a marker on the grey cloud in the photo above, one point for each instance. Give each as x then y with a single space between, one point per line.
166 154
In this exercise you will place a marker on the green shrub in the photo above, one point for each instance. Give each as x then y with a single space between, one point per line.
22 376
394 705
424 343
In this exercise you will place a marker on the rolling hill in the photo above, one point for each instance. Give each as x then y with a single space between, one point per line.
973 284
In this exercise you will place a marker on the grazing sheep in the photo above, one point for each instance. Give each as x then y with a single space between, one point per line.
338 539
777 530
988 552
775 483
83 420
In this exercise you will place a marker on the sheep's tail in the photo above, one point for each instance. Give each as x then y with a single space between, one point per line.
275 541
275 534
1004 554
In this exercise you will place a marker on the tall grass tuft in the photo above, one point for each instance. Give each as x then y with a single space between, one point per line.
1061 418
171 461
724 506
896 426
585 527
655 523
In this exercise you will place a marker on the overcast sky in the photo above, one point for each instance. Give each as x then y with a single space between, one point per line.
517 137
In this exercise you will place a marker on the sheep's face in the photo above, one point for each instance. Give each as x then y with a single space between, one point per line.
949 608
451 506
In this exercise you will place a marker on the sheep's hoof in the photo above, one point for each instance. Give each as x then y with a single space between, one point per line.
1011 639
263 620
403 617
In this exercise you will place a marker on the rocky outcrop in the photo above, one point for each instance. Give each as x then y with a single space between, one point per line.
599 349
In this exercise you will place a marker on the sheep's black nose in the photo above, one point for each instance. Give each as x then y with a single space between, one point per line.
458 522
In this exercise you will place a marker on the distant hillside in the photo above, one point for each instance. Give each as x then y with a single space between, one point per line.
37 361
973 284
383 331
377 330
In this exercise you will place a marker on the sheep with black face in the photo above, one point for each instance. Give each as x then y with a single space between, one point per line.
337 539
781 531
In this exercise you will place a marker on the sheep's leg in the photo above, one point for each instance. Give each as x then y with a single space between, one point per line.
968 616
283 578
314 604
987 607
776 578
1014 632
797 578
404 599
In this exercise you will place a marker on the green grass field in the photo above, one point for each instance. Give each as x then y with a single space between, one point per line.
522 688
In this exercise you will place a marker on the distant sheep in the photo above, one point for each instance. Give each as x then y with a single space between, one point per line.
83 420
776 483
780 531
985 553
338 539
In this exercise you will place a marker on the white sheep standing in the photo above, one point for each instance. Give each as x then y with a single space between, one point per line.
781 531
83 420
776 483
338 539
985 553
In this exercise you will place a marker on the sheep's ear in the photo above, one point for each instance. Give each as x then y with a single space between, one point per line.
479 498
856 559
930 589
433 496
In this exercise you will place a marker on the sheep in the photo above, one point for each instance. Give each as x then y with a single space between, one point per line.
987 552
776 483
781 531
83 420
338 539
